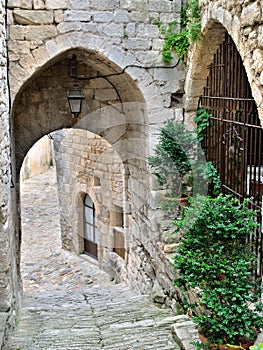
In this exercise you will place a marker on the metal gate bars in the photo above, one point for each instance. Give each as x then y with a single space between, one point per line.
234 137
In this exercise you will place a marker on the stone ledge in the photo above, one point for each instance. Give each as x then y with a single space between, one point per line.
184 332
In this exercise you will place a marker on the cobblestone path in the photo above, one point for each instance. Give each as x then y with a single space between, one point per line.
68 303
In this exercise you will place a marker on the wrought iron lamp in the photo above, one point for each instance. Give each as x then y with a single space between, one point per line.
75 96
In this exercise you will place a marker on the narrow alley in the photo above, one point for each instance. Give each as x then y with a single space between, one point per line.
68 303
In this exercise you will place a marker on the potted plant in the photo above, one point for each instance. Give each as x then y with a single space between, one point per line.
171 162
216 256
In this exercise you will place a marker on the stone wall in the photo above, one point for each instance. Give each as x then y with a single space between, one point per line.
39 158
8 242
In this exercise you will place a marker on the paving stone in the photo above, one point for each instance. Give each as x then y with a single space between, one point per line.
68 302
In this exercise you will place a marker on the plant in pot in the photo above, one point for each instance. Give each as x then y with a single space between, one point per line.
216 256
171 162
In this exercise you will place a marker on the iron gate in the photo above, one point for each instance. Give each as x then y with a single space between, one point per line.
234 136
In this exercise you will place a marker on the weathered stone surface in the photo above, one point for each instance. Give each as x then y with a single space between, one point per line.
24 4
251 14
40 32
77 16
56 4
33 17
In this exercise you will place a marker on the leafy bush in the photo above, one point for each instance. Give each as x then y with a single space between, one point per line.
173 154
216 257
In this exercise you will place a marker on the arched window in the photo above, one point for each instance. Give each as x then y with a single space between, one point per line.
90 228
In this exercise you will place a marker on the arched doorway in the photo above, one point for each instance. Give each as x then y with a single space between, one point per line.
234 139
90 227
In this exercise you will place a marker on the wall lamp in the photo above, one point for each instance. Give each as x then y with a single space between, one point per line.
75 96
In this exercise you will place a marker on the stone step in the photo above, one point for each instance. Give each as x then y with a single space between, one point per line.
111 317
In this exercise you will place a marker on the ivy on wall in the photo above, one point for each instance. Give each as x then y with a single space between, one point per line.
179 36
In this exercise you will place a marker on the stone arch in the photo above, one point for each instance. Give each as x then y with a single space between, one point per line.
215 22
40 107
55 48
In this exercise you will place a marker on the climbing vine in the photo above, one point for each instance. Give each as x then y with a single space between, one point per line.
178 40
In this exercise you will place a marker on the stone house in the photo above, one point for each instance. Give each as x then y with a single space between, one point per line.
109 200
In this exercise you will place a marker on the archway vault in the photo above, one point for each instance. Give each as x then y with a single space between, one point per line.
41 106
113 109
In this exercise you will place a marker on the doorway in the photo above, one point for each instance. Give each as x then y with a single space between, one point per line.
90 228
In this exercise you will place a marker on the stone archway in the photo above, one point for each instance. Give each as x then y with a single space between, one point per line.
216 20
113 108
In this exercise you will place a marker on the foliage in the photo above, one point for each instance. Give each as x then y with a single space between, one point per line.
171 161
216 257
179 165
257 347
178 40
202 121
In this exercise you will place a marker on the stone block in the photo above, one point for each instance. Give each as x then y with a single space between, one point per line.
112 30
138 5
121 16
251 14
38 4
130 30
137 44
28 62
104 4
77 16
258 60
19 47
148 31
160 6
42 32
23 4
79 4
17 32
57 4
184 332
102 16
33 17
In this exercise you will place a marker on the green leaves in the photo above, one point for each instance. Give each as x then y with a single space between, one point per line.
202 121
215 256
179 40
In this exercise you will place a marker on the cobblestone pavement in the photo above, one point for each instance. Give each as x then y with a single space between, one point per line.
68 302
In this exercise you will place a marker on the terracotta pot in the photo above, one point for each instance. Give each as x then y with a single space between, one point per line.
222 346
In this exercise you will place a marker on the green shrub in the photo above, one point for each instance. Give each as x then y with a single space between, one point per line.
215 255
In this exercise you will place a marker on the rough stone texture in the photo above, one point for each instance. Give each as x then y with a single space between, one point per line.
125 108
68 302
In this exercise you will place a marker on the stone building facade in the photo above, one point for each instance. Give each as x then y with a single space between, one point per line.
129 94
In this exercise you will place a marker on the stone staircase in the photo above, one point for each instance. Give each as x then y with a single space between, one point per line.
105 317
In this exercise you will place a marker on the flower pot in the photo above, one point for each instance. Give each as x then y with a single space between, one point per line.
224 346
183 200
